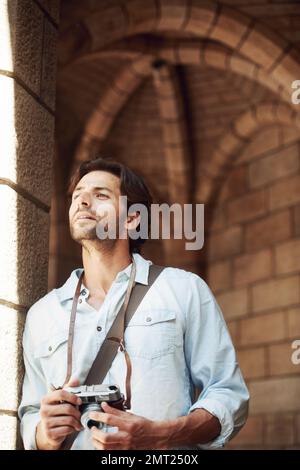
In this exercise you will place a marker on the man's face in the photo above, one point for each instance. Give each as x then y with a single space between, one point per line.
95 200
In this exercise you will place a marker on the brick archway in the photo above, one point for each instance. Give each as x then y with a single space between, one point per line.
132 75
247 48
243 35
187 52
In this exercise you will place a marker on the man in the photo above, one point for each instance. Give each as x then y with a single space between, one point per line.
177 339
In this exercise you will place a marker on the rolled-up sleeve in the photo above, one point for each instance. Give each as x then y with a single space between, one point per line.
34 389
214 369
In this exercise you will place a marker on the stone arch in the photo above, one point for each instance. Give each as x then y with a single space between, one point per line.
132 75
238 32
235 138
189 52
103 116
205 19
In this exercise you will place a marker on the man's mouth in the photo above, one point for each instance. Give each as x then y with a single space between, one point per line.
84 217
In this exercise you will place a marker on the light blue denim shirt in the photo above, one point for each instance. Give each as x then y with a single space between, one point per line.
177 341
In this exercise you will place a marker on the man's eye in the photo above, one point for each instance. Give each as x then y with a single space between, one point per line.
101 195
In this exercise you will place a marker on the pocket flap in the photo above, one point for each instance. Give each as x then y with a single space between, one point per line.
47 347
151 317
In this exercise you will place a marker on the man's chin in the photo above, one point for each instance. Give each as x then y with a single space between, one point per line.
80 235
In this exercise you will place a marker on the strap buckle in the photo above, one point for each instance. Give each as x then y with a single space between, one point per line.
122 345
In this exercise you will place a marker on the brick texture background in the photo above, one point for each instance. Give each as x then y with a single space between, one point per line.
258 285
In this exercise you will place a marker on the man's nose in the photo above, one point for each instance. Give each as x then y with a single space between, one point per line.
84 200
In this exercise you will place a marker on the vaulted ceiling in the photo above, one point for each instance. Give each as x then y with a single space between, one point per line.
173 88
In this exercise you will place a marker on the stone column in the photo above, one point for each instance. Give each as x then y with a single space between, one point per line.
28 37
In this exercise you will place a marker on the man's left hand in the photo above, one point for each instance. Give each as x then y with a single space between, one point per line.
134 432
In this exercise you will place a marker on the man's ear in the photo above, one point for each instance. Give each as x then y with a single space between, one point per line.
132 220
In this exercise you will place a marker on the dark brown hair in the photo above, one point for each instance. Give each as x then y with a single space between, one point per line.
132 185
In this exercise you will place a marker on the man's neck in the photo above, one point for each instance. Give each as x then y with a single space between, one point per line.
101 266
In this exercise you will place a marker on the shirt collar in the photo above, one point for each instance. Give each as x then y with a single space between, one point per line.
67 290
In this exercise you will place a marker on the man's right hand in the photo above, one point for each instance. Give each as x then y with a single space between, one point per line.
59 418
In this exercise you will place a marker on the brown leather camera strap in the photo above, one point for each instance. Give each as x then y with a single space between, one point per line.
116 330
115 337
72 329
113 342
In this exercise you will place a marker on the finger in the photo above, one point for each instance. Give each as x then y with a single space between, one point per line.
109 419
61 395
113 411
72 383
61 410
113 438
64 421
61 431
99 446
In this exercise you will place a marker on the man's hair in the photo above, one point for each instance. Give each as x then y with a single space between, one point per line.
132 185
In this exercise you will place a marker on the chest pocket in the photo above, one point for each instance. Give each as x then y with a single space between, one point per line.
151 333
52 354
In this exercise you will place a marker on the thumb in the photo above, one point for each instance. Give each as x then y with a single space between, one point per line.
111 410
72 383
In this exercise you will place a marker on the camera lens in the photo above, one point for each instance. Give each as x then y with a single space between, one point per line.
86 421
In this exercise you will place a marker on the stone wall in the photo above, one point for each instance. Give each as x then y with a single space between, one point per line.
28 31
253 267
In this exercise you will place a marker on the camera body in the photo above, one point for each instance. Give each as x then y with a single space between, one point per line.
92 396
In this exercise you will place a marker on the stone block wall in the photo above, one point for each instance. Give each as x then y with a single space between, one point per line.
254 269
28 31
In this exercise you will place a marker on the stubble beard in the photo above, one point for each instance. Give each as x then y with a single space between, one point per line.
82 234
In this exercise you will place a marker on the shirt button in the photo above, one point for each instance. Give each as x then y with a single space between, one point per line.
50 348
83 292
148 319
80 301
99 328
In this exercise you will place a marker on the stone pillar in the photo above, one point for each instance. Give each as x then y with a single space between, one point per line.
28 36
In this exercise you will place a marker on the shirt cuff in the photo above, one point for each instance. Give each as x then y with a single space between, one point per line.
220 411
28 430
